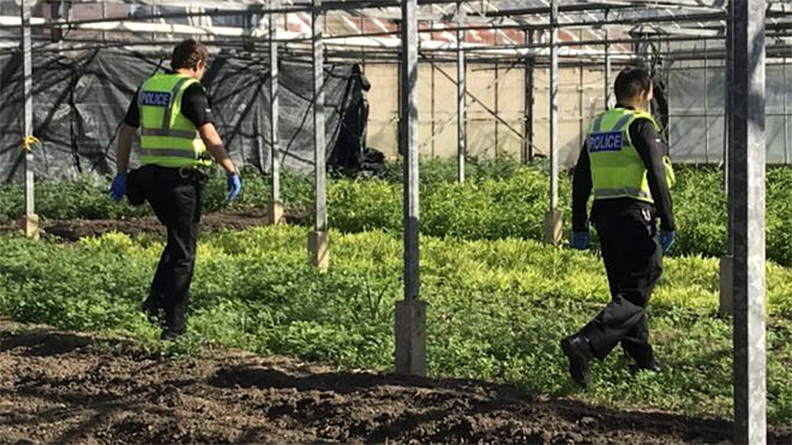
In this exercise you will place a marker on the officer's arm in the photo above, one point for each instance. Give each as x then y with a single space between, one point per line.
647 143
124 147
215 146
581 190
126 134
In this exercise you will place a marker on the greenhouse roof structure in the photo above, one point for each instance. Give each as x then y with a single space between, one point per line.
370 28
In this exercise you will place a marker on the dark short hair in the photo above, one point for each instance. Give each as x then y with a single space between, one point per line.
188 53
631 82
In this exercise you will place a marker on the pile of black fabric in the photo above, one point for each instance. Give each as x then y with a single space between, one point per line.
351 156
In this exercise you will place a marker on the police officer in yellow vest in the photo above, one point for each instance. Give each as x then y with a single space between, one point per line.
177 139
623 162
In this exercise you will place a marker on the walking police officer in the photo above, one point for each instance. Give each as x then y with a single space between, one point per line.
177 135
623 162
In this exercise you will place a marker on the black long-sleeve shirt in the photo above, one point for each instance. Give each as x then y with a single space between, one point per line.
646 141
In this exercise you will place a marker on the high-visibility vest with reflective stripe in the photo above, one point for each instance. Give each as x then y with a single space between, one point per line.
168 138
617 170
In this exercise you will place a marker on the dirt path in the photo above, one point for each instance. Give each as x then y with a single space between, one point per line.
60 387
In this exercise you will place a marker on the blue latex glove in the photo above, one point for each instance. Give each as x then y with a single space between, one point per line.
118 188
667 240
234 186
580 240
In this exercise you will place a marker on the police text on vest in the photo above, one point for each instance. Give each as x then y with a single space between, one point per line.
609 141
154 99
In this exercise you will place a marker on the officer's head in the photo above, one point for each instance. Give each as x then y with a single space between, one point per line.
189 57
634 87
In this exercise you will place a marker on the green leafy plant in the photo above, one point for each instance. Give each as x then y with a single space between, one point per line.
497 309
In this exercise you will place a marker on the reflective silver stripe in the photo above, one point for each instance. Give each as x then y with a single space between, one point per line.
597 124
166 117
623 121
169 132
169 152
621 192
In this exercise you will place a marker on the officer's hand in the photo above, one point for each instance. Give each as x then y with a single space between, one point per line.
580 240
667 240
234 186
118 188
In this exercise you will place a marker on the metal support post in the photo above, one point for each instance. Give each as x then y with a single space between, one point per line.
497 107
461 95
529 103
726 269
411 312
318 239
786 115
706 105
31 219
275 213
747 177
608 87
553 223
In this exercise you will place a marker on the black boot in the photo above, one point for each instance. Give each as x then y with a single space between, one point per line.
576 348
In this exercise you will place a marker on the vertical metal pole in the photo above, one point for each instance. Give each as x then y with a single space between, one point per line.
433 108
581 117
706 105
410 132
607 70
747 147
318 239
409 126
553 217
411 312
554 106
497 106
274 104
31 219
319 117
461 93
727 116
786 115
275 213
529 103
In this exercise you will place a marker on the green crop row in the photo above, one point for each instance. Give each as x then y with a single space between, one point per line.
500 199
497 309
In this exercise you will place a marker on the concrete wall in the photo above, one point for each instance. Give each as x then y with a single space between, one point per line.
499 88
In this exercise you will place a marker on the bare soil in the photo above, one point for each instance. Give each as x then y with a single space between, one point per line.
74 229
62 387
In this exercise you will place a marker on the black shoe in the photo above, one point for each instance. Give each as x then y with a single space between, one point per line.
151 307
654 366
577 350
170 335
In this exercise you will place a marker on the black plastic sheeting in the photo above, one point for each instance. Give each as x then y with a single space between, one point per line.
80 99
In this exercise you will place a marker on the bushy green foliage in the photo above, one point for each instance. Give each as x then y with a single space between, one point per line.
500 199
497 309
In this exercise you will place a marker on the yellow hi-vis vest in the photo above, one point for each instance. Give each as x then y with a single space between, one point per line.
168 138
617 170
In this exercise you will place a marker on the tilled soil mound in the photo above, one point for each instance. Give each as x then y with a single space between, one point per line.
60 387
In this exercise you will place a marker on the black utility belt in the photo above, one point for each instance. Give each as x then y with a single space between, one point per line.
188 173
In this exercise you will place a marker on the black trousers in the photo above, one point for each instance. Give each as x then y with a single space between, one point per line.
175 197
633 261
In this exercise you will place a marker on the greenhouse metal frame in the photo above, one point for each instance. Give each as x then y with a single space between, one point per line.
739 33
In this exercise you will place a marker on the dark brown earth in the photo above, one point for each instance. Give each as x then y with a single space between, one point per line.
60 387
74 229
